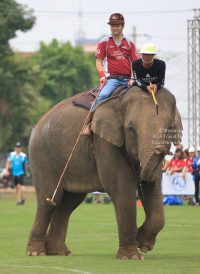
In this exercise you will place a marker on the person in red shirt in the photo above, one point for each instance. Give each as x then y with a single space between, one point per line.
176 164
114 56
187 162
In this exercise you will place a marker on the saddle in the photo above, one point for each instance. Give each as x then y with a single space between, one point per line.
85 101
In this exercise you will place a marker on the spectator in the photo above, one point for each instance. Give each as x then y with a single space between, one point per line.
196 176
188 161
186 155
19 164
175 165
165 165
98 199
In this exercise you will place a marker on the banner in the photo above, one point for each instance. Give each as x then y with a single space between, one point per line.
176 185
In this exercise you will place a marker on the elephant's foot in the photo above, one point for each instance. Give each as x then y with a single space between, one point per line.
144 240
129 253
56 248
36 249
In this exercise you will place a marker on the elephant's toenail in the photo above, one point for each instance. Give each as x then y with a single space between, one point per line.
28 253
34 253
144 249
135 257
42 254
124 258
69 254
142 258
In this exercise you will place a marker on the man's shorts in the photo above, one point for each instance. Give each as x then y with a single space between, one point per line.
19 180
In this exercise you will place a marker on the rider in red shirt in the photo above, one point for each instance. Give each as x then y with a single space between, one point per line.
114 56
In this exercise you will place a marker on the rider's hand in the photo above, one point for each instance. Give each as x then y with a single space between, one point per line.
131 81
103 79
152 87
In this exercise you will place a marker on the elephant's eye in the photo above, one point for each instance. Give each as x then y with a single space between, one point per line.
131 129
169 128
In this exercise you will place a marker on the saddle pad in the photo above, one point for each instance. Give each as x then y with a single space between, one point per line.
86 100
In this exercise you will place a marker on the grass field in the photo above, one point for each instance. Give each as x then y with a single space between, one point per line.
93 240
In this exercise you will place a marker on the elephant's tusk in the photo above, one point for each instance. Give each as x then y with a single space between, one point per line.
170 153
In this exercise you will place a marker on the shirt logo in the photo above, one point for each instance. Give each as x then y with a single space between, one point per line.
124 47
147 75
97 51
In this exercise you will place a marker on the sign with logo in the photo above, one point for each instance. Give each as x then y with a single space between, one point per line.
176 185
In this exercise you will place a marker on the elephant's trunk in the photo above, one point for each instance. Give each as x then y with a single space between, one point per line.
151 163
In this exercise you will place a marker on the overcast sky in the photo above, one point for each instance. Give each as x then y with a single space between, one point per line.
59 19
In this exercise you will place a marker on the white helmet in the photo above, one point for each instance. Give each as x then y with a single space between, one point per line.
198 148
191 149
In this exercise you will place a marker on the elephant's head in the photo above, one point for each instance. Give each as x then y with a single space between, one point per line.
131 120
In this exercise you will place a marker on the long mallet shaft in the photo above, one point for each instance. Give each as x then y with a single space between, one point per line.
154 98
51 200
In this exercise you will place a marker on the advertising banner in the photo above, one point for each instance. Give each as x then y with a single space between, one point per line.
176 185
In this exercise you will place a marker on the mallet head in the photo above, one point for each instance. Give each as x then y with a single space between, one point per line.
50 201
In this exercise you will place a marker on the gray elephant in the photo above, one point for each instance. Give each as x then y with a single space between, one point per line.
128 136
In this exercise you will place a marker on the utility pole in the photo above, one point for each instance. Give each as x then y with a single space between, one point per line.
194 80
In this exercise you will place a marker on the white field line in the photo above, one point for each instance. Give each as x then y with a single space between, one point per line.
116 224
57 268
177 225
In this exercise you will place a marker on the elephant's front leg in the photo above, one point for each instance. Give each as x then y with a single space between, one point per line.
120 183
125 206
151 197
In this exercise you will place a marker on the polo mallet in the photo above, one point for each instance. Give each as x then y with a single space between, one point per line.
154 98
51 200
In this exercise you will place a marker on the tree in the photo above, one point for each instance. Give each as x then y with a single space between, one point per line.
65 70
20 104
13 17
17 77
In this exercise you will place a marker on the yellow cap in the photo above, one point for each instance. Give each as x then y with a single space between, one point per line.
148 49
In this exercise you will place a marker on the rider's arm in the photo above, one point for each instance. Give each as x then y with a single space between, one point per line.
99 64
161 76
138 81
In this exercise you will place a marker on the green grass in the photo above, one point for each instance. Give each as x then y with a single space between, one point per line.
93 240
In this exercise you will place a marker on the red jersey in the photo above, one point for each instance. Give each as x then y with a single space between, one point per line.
174 164
187 163
116 59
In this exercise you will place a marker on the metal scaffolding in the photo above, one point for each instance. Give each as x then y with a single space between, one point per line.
194 80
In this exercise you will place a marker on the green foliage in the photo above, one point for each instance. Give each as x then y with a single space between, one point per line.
65 70
13 17
20 102
31 85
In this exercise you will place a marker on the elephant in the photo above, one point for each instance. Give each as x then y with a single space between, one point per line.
130 142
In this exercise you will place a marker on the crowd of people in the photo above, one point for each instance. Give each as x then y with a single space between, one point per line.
185 160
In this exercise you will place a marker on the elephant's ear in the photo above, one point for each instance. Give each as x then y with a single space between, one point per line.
107 121
177 128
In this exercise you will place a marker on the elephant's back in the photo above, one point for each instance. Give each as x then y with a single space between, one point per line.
58 129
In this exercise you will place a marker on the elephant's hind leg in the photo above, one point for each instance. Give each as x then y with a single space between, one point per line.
55 240
153 207
36 242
